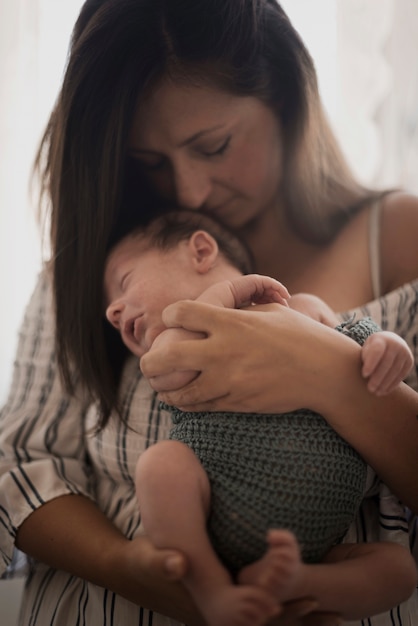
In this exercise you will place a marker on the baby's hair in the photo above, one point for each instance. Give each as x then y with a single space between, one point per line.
168 229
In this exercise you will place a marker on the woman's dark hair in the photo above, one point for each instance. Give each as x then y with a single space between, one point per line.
119 50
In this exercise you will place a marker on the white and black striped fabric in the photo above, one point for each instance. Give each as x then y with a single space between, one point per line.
47 449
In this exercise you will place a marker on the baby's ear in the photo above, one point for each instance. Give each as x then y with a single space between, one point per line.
204 250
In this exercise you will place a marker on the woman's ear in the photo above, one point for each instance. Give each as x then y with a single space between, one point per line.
204 250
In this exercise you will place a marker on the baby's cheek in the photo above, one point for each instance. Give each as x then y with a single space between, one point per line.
133 346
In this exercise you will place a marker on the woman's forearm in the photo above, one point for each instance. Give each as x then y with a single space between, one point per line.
384 430
70 533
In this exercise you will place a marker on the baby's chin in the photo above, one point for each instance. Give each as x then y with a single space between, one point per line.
134 348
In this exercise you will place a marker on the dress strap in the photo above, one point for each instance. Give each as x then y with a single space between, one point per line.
374 248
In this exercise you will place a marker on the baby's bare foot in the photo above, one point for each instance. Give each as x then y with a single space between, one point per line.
277 571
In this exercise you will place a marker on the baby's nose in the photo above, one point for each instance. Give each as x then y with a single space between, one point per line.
113 313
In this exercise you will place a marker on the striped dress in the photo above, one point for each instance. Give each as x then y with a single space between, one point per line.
47 450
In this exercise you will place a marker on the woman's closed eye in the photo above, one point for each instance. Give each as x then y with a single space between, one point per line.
155 163
216 150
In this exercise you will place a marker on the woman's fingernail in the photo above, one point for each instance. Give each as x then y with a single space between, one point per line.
173 565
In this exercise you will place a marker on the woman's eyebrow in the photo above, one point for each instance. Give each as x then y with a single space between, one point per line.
185 142
200 134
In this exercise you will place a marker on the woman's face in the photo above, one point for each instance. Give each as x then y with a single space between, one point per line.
204 148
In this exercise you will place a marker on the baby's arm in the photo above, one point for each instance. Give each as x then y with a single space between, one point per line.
386 360
314 307
244 291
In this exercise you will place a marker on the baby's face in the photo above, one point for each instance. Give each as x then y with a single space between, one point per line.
139 282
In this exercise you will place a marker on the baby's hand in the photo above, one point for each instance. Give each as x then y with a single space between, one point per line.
386 360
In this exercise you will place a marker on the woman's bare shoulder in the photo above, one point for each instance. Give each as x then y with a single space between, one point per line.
400 202
399 240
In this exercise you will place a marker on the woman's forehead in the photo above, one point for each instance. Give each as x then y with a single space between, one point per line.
176 113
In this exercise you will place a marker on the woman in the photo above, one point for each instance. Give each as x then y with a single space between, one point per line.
209 104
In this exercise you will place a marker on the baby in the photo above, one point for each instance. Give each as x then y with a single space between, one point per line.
238 493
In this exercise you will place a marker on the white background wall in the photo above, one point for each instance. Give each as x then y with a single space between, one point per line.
34 35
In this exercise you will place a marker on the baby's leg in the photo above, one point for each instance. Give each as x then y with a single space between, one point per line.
174 496
278 570
173 493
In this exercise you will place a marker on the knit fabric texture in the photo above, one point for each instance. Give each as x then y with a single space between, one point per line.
288 470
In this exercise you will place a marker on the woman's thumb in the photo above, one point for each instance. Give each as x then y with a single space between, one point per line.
174 565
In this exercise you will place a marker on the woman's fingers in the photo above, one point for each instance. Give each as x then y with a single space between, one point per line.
302 613
249 361
293 611
165 564
321 619
191 315
173 565
192 399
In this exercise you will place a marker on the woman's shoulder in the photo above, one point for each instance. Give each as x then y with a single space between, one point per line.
399 207
398 240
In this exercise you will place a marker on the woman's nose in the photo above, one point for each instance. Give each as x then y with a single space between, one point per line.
192 186
113 313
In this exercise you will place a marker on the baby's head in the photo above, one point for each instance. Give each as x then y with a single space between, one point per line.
175 257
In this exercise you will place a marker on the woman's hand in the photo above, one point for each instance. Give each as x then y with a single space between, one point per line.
302 613
249 360
152 578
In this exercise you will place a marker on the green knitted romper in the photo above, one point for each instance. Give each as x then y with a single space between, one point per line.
289 470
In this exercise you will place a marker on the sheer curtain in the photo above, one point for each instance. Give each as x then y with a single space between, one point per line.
377 112
366 53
